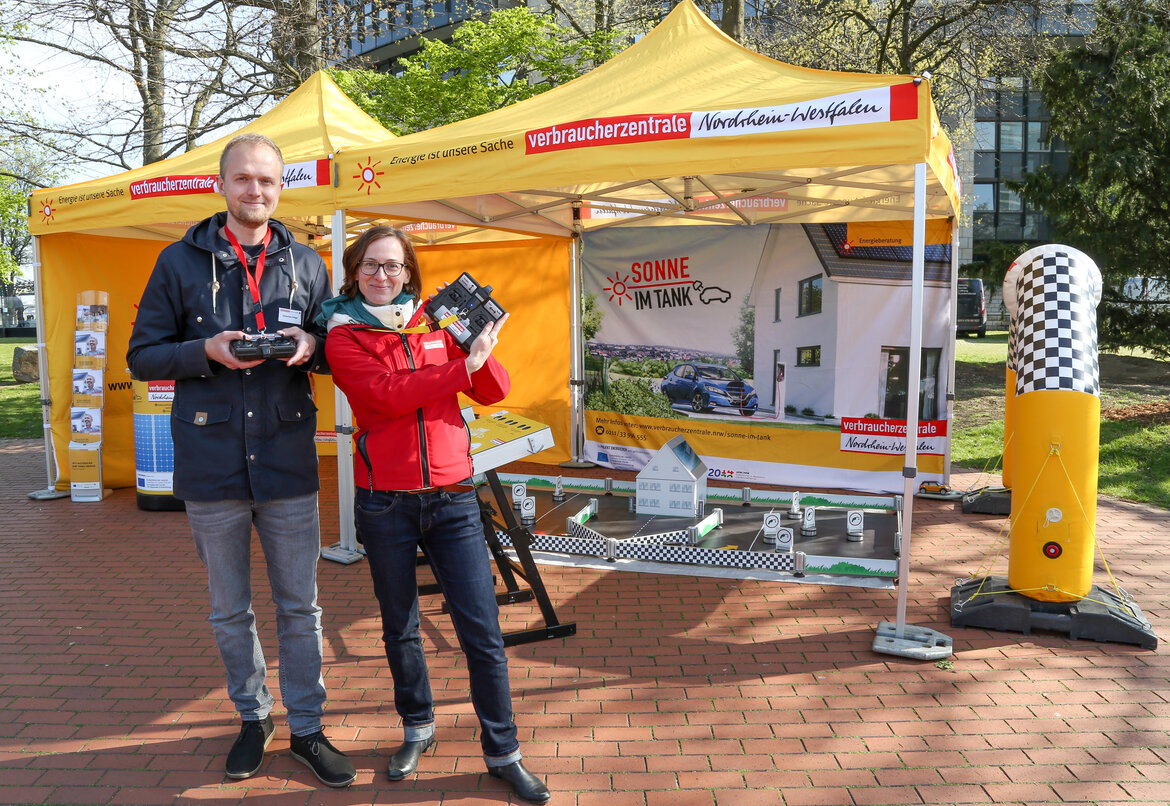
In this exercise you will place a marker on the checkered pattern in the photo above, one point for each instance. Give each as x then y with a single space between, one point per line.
560 544
583 532
683 555
721 558
1056 322
677 536
1011 356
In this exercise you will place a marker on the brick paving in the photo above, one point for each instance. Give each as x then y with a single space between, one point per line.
676 690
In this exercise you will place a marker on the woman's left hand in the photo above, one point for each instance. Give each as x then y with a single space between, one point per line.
483 345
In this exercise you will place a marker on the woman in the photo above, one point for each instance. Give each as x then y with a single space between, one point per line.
413 489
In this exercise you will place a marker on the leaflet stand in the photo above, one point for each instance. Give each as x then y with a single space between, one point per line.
88 383
496 440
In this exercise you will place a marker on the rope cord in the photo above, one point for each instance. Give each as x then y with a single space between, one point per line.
996 549
1108 571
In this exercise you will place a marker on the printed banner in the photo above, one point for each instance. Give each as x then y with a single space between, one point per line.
880 105
154 451
775 351
889 436
296 175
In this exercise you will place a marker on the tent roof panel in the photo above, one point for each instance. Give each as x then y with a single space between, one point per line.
682 103
309 125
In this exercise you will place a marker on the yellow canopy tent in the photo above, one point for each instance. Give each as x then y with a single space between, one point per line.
105 235
683 127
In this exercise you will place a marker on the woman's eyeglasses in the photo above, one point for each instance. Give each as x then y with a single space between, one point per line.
371 267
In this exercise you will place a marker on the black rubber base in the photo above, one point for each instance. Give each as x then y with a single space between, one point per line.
159 503
987 502
1101 616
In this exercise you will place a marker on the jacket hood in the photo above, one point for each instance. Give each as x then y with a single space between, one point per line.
205 234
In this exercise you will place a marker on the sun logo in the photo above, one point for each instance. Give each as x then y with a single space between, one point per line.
47 212
618 289
846 248
368 176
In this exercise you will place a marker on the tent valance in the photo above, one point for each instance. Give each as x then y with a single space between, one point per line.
162 199
684 126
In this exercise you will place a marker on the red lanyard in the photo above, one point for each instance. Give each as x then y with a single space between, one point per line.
253 281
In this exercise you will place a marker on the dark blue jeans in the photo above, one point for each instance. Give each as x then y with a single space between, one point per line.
392 526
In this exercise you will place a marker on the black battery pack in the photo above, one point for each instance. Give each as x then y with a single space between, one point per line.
472 306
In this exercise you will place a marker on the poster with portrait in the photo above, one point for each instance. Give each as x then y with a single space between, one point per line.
89 349
93 317
85 424
87 388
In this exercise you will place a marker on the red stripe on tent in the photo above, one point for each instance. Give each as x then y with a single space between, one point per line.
903 102
608 131
178 185
324 176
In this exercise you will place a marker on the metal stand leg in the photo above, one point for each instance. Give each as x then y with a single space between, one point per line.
521 543
509 570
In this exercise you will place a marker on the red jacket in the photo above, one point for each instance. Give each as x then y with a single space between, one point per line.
402 389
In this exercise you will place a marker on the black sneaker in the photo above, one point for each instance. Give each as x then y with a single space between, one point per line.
328 763
247 754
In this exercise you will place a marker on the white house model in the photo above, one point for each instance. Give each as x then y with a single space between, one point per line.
673 482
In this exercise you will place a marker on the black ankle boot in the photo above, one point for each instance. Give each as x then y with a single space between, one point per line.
526 785
405 758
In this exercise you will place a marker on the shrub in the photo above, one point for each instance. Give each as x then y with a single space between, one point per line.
629 396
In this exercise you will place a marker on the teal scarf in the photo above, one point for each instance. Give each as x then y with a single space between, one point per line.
354 308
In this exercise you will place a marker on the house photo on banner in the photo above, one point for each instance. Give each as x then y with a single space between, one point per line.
780 352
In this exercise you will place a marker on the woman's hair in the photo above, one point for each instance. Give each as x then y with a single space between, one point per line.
356 251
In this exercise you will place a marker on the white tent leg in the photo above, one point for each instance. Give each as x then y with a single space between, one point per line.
953 339
896 639
346 549
576 363
51 474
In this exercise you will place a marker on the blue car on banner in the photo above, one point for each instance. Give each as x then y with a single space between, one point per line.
705 386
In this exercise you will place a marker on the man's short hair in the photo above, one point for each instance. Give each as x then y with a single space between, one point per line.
250 139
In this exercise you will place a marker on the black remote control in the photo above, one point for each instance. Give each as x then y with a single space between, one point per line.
266 345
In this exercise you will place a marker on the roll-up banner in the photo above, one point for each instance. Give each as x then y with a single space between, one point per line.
779 352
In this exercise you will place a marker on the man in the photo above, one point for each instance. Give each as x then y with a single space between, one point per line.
243 434
91 347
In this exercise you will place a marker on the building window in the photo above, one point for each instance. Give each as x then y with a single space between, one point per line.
776 307
809 296
894 383
808 356
1011 139
985 135
985 196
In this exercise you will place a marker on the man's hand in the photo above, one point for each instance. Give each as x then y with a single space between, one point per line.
218 348
483 345
306 344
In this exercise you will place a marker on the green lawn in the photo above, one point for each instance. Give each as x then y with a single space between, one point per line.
20 403
1134 463
1135 458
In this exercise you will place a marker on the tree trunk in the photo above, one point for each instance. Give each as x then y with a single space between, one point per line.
732 22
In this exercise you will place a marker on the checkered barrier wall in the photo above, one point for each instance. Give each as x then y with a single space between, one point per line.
680 536
1056 323
686 555
580 530
560 544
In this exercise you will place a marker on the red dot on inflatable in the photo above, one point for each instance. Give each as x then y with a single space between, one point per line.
1052 550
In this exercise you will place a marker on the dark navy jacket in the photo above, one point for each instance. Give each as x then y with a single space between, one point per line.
239 434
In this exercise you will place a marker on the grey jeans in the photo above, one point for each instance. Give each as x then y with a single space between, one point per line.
290 536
